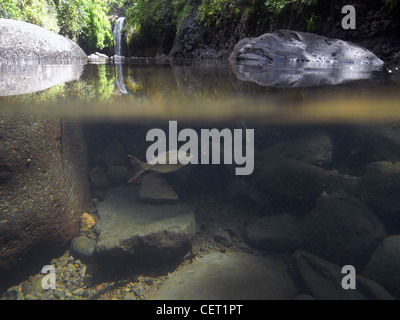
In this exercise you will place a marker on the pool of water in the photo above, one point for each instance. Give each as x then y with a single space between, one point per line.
319 189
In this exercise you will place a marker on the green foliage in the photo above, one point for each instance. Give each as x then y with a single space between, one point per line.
39 12
9 9
213 11
97 30
72 16
150 16
182 9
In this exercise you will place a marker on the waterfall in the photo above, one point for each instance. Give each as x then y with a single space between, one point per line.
117 35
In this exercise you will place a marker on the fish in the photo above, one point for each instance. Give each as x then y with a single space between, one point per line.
154 164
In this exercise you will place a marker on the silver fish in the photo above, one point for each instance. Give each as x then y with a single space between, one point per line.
161 163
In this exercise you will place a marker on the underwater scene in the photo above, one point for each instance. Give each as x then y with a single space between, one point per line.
273 189
270 171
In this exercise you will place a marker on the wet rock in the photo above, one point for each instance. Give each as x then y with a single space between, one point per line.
98 178
314 148
241 193
287 45
155 189
21 41
129 228
232 276
117 175
43 199
86 222
384 265
382 187
342 230
98 57
323 278
83 247
277 233
295 184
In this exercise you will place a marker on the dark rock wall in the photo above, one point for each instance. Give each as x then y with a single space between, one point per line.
376 29
43 190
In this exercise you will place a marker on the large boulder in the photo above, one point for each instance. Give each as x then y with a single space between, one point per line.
295 46
342 230
43 190
22 41
130 230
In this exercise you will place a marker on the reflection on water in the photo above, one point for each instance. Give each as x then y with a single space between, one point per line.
304 74
17 79
120 80
209 91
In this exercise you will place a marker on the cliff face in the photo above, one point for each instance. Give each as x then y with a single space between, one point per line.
377 29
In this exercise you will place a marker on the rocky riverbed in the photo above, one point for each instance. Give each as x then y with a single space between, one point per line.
312 206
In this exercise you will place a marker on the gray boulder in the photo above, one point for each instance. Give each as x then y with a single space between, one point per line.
230 276
129 228
295 46
22 41
342 230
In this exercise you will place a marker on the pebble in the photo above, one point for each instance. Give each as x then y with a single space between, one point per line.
78 292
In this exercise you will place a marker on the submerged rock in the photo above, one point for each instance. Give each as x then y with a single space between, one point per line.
129 228
230 276
295 46
382 186
295 184
44 188
384 265
324 280
155 189
314 148
240 193
22 41
98 178
277 233
83 247
342 230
